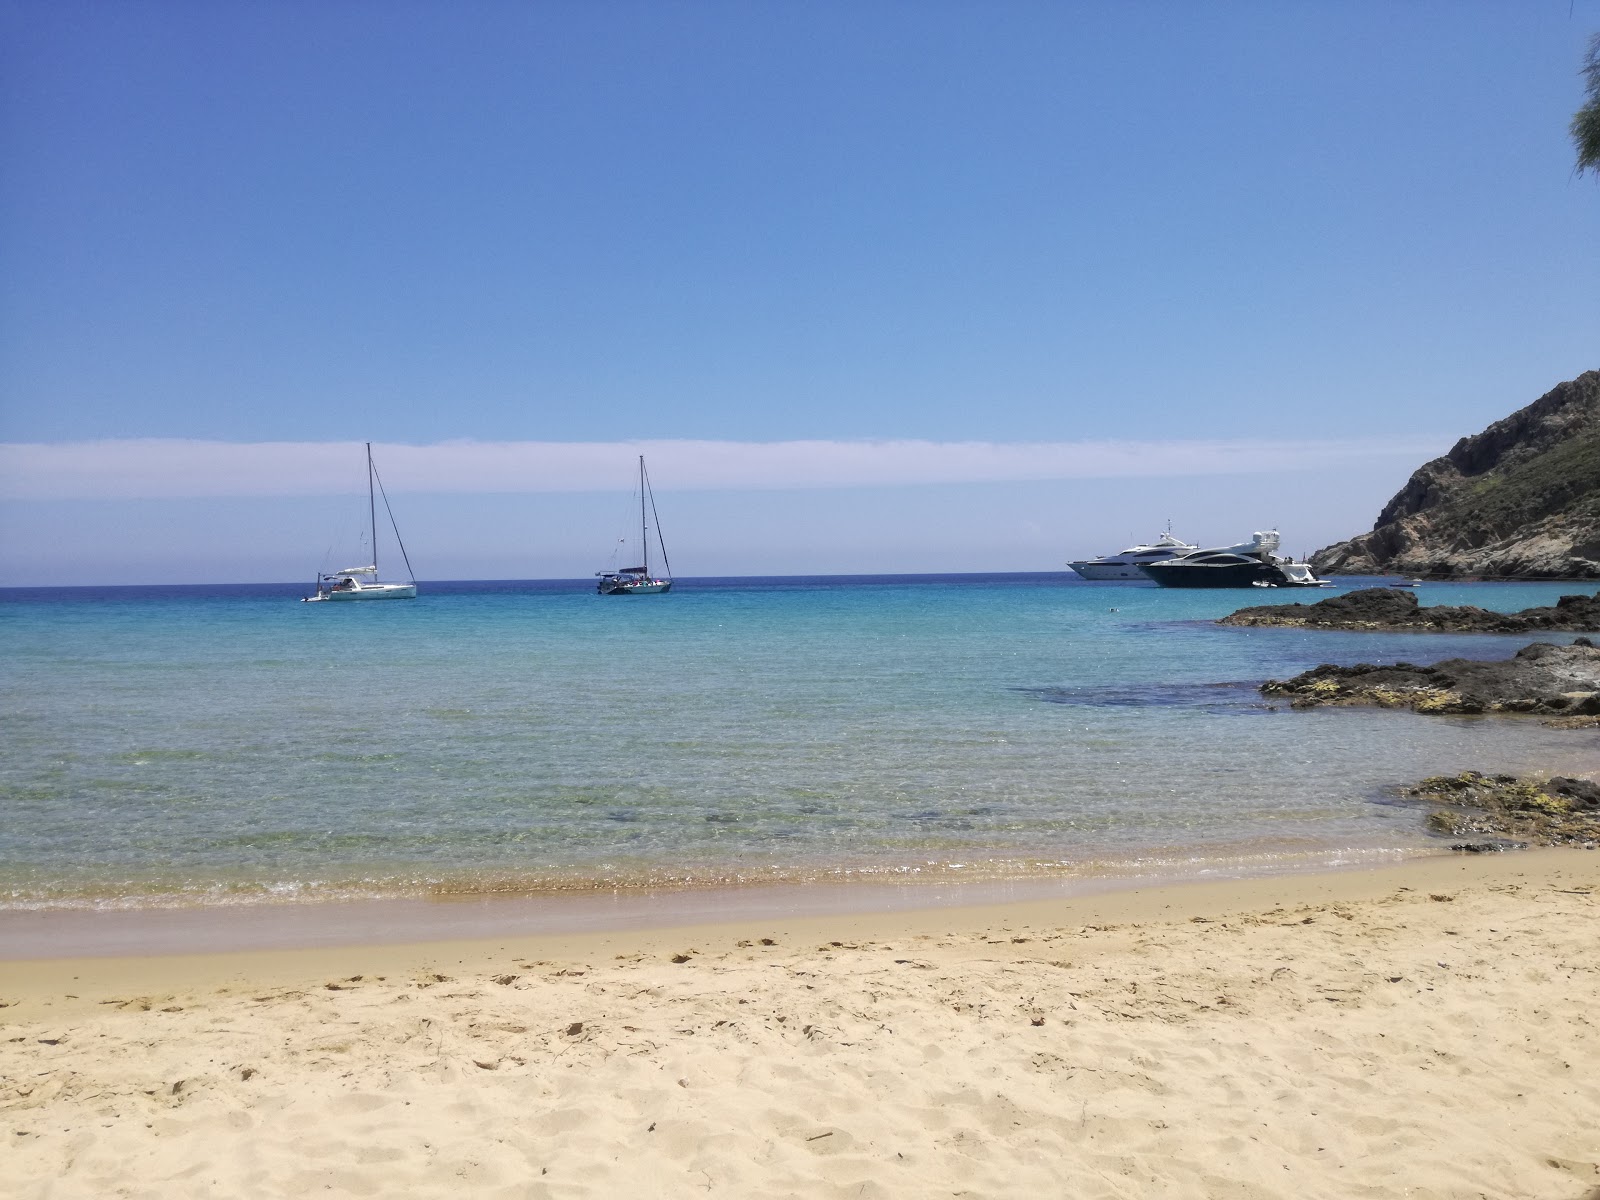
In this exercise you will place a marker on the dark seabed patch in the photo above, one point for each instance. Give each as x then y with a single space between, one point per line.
1233 698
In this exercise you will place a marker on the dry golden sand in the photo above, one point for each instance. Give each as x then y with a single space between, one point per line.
1428 1030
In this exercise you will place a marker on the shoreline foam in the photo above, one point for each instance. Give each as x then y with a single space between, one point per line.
56 931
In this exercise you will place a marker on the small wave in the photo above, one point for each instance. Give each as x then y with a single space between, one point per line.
1174 864
140 757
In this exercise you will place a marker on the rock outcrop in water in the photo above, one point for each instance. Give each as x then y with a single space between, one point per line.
1549 812
1519 500
1392 608
1544 679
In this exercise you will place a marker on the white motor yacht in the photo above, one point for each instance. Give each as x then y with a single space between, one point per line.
1125 563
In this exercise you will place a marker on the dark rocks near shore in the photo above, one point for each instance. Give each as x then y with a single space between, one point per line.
1551 812
1394 608
1542 679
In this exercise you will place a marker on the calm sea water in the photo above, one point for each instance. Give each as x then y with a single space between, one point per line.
228 744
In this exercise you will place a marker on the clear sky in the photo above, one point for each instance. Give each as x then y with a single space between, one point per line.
980 285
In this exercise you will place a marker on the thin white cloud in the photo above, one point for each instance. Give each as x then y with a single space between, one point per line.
149 468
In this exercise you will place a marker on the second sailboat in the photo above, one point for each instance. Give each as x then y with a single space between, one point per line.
638 581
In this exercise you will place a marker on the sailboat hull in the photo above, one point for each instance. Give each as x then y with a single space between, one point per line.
373 591
641 587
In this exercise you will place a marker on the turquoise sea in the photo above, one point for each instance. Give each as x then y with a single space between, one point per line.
226 744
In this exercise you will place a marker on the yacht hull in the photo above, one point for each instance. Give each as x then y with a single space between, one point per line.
1107 572
1229 575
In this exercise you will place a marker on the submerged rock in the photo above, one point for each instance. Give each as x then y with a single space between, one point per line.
1544 679
1393 608
1550 812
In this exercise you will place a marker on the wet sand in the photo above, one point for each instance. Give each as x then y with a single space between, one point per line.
196 928
1430 1029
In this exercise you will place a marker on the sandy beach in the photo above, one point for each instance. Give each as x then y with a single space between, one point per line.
1423 1030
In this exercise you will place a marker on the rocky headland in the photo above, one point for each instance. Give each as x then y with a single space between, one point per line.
1519 500
1542 679
1392 608
1547 812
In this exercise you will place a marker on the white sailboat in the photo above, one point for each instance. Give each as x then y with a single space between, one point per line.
361 583
638 581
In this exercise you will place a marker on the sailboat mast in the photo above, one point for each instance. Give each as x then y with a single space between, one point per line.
644 536
372 514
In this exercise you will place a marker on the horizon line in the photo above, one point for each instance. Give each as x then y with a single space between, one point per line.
1067 573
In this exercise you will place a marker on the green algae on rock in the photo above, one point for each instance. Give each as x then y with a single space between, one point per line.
1542 679
1551 812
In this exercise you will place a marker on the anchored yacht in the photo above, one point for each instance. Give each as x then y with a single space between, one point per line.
1125 564
361 583
638 581
1255 563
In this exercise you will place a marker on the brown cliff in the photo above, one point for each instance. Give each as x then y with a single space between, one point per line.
1519 500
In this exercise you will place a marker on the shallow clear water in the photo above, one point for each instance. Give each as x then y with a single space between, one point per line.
209 744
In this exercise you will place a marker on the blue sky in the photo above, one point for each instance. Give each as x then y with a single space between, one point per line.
953 224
